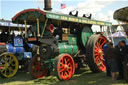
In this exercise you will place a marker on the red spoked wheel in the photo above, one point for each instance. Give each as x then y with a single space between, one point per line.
95 53
99 54
37 68
64 67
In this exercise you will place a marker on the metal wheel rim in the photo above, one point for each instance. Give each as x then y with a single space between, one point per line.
10 65
99 54
66 67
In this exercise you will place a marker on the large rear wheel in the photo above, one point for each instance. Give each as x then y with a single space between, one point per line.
95 55
64 67
10 65
37 67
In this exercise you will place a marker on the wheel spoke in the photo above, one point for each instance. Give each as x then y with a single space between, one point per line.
10 70
61 67
102 58
97 45
65 60
65 74
97 60
96 54
100 39
61 61
96 49
5 59
70 68
13 64
68 71
102 43
62 70
4 71
10 59
69 64
68 61
102 66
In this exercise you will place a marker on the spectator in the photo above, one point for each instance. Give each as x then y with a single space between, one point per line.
108 72
112 60
123 52
124 48
119 53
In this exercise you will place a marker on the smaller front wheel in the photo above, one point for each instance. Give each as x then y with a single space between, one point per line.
64 67
37 68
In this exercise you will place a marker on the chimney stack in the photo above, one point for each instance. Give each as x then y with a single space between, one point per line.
47 5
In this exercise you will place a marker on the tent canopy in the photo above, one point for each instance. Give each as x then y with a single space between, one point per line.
121 14
118 34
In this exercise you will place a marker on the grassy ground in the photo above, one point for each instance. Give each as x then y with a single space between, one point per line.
81 78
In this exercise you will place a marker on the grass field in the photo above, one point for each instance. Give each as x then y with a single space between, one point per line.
84 77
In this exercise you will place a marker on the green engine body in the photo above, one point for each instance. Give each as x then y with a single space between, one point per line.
67 48
70 45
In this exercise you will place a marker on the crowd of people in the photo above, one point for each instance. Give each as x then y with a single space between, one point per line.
114 57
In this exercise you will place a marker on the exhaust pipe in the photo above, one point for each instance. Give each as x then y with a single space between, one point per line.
47 5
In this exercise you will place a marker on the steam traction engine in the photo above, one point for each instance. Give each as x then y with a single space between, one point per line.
13 52
64 43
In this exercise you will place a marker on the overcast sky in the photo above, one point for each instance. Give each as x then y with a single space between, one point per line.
100 9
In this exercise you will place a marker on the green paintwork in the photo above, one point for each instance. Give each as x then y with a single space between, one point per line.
64 17
86 33
34 27
66 48
25 16
70 46
72 39
50 63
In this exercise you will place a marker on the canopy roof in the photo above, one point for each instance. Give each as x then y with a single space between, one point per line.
121 14
7 24
30 15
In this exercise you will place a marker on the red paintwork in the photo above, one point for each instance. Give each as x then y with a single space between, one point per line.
1 68
28 10
32 39
2 43
99 57
76 65
63 72
37 70
51 28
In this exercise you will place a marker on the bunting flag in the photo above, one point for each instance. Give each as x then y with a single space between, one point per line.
63 6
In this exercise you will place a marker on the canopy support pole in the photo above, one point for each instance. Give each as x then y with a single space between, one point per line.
38 26
19 28
111 36
25 28
101 28
44 27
